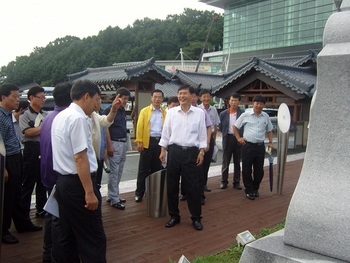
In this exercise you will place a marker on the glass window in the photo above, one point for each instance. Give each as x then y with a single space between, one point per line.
274 23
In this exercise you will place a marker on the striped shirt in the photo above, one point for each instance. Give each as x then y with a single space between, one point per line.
8 134
255 127
213 114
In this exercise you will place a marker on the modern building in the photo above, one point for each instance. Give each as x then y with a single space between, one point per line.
271 28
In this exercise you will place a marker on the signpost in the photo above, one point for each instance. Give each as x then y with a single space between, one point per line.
283 120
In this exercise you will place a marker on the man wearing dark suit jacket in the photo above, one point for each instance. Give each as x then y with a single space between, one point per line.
229 143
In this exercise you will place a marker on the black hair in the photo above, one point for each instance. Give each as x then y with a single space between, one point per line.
173 99
190 89
157 90
259 98
23 104
204 91
83 86
123 92
5 90
236 96
34 90
61 94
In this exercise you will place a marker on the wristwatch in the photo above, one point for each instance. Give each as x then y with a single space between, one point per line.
202 153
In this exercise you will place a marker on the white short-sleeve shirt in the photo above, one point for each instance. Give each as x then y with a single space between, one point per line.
71 134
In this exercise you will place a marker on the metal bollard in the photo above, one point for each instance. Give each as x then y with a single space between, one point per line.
156 194
283 117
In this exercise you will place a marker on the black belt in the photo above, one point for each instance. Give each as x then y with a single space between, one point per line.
31 142
14 155
185 148
256 143
155 138
119 140
93 175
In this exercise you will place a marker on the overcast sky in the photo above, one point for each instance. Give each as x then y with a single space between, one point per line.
27 24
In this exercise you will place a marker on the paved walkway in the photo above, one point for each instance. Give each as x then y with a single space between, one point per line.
132 236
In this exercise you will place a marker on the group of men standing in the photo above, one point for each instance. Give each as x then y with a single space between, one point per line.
186 138
67 158
179 138
14 207
243 135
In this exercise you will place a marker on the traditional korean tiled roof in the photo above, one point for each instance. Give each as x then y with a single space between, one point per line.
287 71
169 88
297 73
301 80
296 61
27 86
198 80
120 72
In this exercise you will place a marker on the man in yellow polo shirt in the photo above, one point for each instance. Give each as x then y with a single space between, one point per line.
148 132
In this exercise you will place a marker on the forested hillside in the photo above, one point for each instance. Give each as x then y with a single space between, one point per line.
146 38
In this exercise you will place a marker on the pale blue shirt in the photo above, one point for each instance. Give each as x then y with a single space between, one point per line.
213 114
255 127
156 123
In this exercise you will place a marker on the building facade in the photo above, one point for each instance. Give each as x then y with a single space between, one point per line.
271 28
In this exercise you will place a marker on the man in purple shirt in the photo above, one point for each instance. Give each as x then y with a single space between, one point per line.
61 95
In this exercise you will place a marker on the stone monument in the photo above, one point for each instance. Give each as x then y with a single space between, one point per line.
317 227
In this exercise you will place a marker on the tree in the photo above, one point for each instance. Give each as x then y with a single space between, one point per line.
146 38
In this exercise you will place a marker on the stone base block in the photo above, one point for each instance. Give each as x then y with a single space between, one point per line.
272 249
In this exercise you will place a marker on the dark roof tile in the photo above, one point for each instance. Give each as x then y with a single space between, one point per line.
120 72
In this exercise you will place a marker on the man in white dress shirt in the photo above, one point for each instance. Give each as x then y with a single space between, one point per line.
82 233
184 136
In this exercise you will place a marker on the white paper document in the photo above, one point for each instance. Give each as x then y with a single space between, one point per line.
51 205
38 120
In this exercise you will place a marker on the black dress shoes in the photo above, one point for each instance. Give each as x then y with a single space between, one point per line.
30 228
138 199
197 225
173 221
250 196
237 186
206 189
256 194
223 186
119 206
40 214
9 239
122 200
183 198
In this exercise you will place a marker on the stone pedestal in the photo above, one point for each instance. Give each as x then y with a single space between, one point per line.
273 249
317 220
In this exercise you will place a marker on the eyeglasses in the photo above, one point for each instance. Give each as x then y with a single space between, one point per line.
40 97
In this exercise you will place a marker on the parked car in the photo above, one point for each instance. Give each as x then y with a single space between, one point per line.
47 90
49 104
